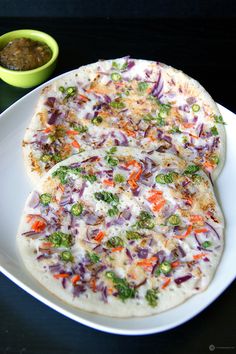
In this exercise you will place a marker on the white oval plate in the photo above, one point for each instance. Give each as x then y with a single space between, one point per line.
15 187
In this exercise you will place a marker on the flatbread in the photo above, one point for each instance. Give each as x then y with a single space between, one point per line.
121 232
125 102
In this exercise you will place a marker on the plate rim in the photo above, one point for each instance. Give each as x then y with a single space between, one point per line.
87 322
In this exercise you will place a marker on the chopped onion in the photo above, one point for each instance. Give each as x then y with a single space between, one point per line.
34 200
78 289
158 86
213 229
181 280
142 253
50 101
54 116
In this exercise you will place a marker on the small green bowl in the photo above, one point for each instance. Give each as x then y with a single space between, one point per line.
29 78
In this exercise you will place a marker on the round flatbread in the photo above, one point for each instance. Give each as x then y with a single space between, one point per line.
121 232
125 102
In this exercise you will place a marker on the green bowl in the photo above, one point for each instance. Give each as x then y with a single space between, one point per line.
29 78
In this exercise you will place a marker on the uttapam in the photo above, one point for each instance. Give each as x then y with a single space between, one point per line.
125 102
122 232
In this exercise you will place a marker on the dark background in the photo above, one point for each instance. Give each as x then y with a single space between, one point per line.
197 37
119 8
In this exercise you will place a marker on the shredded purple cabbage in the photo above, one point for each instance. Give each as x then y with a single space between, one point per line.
213 229
158 87
142 253
181 280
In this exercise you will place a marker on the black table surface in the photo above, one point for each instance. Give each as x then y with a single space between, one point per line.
202 48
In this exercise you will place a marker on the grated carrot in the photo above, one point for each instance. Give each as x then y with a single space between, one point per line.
199 231
75 144
196 218
109 182
155 197
60 275
46 244
175 264
84 98
159 206
188 231
93 285
75 279
38 226
99 236
166 283
72 132
110 291
188 125
117 249
199 256
47 130
208 165
148 262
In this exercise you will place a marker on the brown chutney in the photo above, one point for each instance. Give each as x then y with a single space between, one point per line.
24 54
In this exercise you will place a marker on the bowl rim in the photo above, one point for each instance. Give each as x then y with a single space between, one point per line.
55 52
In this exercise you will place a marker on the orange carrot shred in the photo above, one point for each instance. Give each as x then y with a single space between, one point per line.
38 226
72 132
99 236
159 206
109 182
148 262
75 144
156 196
199 231
93 285
175 264
188 231
60 275
117 249
75 279
47 130
166 283
110 291
133 184
85 98
199 256
196 218
208 165
188 125
46 244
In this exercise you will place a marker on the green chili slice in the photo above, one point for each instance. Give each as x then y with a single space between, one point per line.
115 77
45 198
195 107
174 220
97 120
165 267
67 256
76 209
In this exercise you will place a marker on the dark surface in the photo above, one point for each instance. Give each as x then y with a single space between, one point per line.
118 8
204 50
